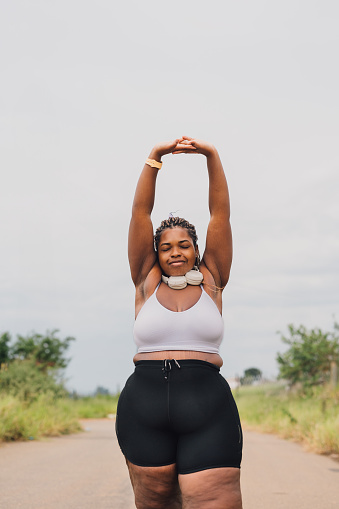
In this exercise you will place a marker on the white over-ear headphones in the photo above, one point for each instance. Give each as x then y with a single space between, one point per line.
192 277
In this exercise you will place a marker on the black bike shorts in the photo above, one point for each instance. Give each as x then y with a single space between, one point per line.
179 412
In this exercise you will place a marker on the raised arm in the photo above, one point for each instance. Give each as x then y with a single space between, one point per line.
218 251
141 252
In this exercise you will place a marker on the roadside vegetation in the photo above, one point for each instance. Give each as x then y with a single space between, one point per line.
33 400
50 416
310 418
304 404
45 416
95 407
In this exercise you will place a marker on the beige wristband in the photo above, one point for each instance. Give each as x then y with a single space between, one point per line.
154 163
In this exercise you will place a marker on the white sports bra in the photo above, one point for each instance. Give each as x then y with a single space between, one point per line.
199 328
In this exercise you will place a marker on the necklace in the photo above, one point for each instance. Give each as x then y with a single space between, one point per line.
192 277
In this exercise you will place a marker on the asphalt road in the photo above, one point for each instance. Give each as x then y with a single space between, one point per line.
87 471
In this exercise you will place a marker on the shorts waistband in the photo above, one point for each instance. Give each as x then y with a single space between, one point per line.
181 363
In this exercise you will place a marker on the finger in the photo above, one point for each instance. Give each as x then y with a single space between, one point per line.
189 143
184 151
186 144
187 138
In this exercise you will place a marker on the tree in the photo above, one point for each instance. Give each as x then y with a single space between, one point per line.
31 365
250 375
308 360
101 391
5 339
46 349
253 373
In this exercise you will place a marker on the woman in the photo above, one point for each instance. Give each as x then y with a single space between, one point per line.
177 422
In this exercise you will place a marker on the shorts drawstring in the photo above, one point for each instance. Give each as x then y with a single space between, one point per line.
168 366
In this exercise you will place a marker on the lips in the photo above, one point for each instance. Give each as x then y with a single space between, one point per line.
177 263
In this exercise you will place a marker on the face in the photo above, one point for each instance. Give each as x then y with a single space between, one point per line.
176 252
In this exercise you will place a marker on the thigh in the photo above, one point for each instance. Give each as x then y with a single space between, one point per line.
213 435
217 488
142 427
155 487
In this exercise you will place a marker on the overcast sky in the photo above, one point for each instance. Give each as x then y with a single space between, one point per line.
87 88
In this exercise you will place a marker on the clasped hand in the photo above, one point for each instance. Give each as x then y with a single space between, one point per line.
184 145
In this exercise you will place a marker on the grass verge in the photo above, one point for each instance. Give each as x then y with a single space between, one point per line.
95 407
311 419
48 416
43 417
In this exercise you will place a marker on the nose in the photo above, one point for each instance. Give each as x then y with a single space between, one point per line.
175 252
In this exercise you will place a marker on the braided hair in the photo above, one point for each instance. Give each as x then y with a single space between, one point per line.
173 222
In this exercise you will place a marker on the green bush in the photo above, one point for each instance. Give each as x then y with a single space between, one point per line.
23 378
47 349
309 356
44 416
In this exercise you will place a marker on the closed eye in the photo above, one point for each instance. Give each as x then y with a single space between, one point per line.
166 247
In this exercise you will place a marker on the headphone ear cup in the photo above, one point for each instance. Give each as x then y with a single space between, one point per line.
175 282
194 277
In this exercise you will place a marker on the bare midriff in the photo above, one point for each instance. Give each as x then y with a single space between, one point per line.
213 358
